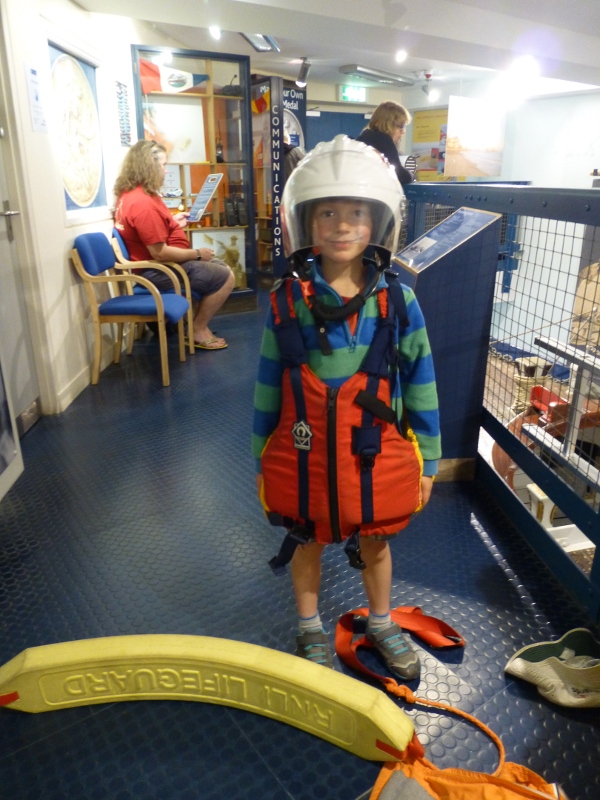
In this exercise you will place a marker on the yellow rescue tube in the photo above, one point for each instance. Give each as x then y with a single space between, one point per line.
342 710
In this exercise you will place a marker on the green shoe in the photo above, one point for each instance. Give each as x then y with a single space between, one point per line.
315 647
398 654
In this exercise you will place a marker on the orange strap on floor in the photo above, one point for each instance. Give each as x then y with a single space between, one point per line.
432 631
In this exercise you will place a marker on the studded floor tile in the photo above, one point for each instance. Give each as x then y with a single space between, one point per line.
137 514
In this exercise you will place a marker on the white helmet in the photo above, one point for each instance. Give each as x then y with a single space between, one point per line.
342 169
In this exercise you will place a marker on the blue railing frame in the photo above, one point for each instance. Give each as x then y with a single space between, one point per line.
570 205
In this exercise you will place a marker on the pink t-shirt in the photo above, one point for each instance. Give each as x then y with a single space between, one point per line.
144 219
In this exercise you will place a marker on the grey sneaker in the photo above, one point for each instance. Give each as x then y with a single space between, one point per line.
315 647
397 652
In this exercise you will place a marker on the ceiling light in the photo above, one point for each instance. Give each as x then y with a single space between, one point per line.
401 56
303 74
434 95
525 67
215 31
261 43
376 75
166 57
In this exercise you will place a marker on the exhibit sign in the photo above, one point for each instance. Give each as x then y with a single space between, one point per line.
429 143
445 237
276 124
294 114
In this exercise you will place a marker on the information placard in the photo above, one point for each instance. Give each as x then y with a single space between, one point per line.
204 196
452 231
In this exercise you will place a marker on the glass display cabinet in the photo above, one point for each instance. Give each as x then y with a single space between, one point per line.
197 105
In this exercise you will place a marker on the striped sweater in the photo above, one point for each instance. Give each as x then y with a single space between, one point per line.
414 389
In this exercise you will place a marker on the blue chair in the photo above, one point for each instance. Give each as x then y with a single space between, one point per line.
94 261
125 263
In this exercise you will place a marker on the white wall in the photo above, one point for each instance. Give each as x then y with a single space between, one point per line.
57 308
554 141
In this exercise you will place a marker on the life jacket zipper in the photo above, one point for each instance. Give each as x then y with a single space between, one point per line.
334 510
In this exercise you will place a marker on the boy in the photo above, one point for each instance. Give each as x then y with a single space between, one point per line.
344 353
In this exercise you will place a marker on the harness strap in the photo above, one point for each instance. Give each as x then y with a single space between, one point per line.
375 406
297 535
352 550
433 632
287 328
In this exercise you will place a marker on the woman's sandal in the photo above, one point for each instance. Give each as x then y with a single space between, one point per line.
211 344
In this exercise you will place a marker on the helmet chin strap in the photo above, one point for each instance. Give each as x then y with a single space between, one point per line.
325 313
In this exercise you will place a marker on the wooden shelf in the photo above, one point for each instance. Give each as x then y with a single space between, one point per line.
179 94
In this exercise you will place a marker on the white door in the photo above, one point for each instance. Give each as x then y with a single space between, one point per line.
19 392
15 342
11 463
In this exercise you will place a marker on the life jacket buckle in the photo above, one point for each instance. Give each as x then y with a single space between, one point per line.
367 463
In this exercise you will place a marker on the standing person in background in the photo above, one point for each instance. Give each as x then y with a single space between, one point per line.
384 132
292 155
152 233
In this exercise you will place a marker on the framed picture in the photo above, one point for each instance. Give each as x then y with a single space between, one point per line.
177 125
78 135
229 245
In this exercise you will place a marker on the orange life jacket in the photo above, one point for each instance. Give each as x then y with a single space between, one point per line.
338 464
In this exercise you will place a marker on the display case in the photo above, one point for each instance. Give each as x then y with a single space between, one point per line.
197 105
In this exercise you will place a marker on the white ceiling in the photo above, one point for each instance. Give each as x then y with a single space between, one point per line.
453 40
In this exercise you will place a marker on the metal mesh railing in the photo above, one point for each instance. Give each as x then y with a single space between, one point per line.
543 376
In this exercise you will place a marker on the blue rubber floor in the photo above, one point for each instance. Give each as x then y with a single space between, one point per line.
137 514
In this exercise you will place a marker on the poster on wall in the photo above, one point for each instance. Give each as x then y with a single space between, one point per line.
229 246
429 143
78 136
294 115
475 142
178 126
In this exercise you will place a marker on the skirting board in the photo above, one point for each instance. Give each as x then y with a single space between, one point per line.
456 469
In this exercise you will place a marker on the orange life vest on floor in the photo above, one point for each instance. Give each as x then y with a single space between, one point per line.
337 464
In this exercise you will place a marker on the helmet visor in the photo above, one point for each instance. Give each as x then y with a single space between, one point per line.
338 222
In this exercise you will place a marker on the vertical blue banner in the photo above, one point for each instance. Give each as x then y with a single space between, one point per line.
277 107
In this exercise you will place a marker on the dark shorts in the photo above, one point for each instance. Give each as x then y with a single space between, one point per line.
206 277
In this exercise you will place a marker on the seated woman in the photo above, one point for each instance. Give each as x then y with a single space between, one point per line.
384 131
151 232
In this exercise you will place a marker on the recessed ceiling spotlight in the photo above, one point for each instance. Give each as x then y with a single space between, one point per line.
215 31
526 67
401 56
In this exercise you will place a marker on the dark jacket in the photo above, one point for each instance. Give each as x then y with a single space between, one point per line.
385 144
292 156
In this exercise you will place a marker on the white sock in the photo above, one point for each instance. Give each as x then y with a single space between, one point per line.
310 624
377 622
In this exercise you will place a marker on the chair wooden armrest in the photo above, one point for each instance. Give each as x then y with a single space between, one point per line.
124 263
152 265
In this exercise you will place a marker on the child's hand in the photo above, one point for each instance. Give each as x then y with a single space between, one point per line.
426 487
259 480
